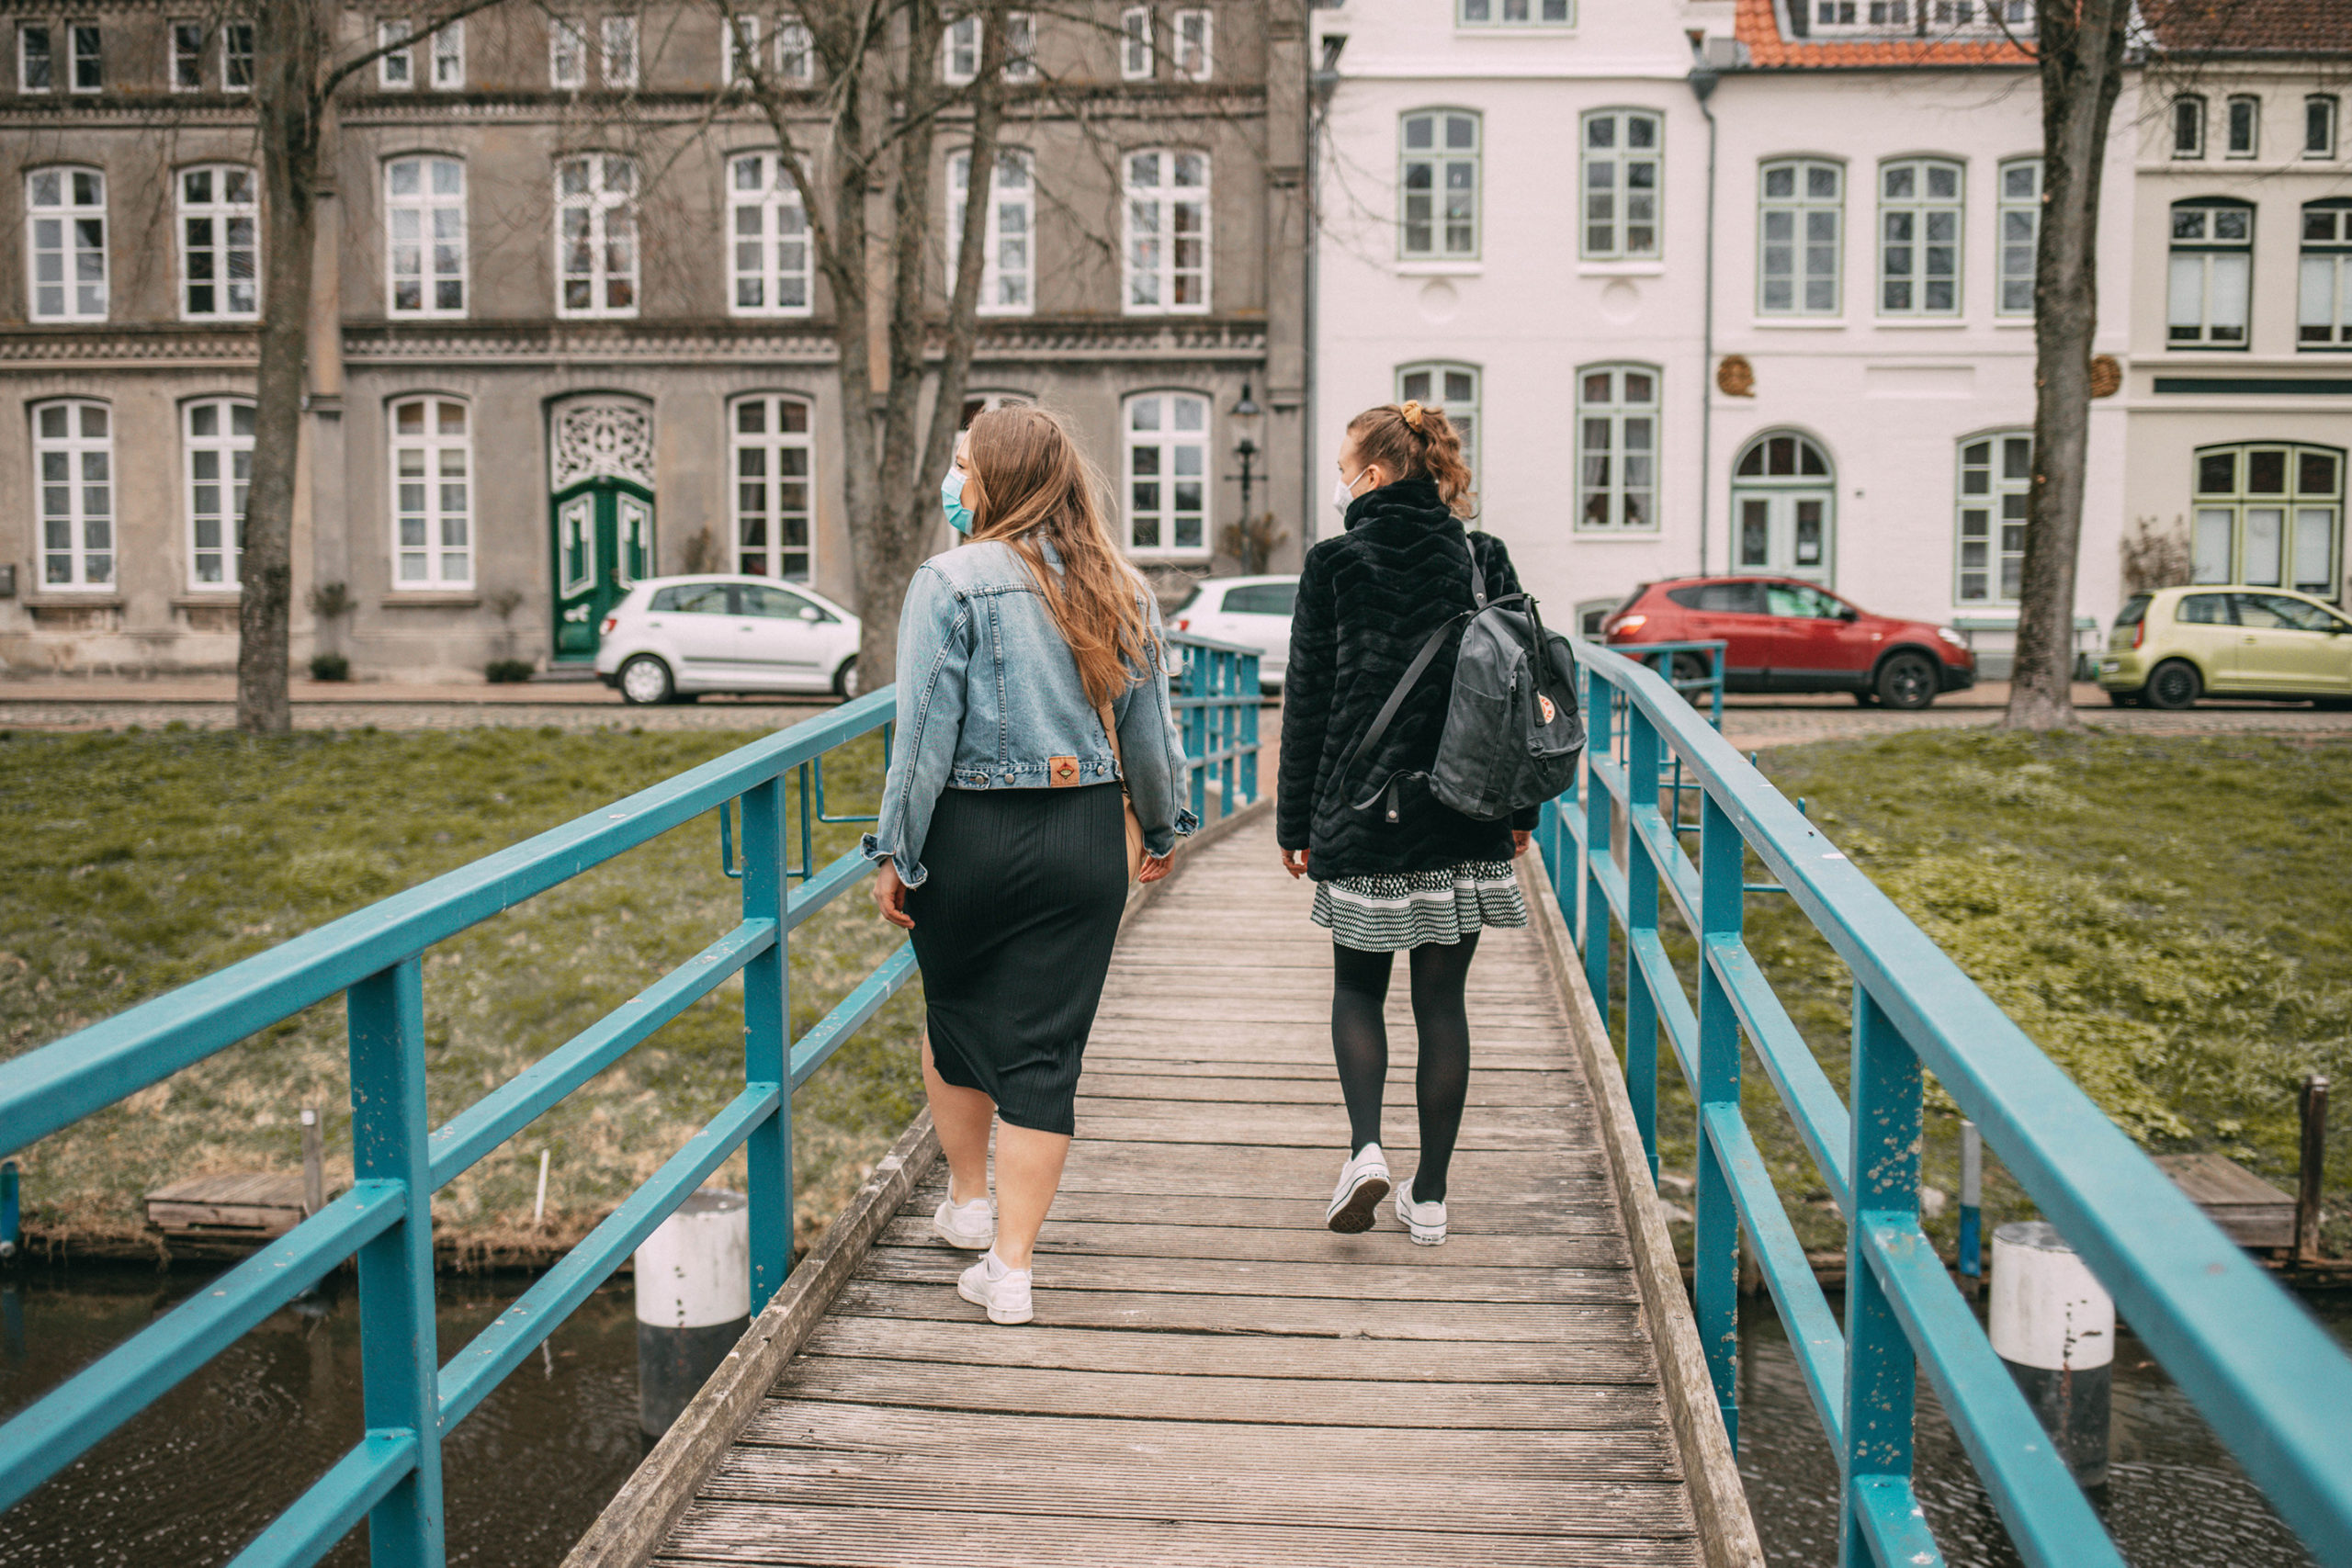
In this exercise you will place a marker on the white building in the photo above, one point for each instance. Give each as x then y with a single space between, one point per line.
1517 224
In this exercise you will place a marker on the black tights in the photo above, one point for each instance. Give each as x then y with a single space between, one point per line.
1441 1071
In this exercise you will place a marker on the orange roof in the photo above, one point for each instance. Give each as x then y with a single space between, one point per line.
1758 28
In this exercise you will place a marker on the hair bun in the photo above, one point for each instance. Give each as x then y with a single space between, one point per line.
1412 413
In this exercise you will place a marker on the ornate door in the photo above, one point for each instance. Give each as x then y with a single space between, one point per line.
601 518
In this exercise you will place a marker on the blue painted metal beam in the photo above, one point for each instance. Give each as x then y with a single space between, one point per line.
1681 1024
838 877
335 1503
1813 1104
1815 1337
1888 1515
825 1036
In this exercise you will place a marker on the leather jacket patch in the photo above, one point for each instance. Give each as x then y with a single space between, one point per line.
1061 771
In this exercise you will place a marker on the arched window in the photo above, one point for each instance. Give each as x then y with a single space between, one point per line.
218 454
74 459
1437 186
65 242
2243 125
1166 471
425 229
1623 166
1008 275
219 234
2271 514
768 228
1918 237
2323 298
1784 507
431 448
1617 448
1452 388
2211 275
1168 231
774 464
2188 126
596 235
1996 473
1799 234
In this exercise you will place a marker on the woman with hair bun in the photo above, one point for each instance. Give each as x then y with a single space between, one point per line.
1424 880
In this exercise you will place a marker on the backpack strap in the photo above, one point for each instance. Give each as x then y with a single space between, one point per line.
1404 683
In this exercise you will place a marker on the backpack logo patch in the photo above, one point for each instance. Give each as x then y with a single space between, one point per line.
1545 703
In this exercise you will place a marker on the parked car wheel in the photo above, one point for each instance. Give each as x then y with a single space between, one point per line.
645 681
1866 699
2173 685
845 678
1693 667
1908 681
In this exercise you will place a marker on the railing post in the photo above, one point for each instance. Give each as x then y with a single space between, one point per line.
1715 1243
1196 723
1598 805
399 1353
1254 692
1880 1372
1228 681
1641 920
767 1040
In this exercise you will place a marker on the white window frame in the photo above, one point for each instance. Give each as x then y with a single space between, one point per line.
2187 113
1921 213
1429 382
219 251
1621 165
773 450
185 62
2017 235
2325 110
439 491
237 63
76 33
432 243
1021 46
959 50
1621 470
1020 204
2251 106
82 497
1804 206
26 32
1195 55
2193 263
2323 279
1179 453
2002 481
616 50
599 204
781 223
567 54
1137 54
396 68
72 215
1438 164
448 57
1154 242
225 445
1531 13
2291 509
795 50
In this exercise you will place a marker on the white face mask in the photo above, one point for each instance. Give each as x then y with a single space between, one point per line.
1343 492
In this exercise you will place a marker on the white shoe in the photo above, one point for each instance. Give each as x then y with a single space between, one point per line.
968 1225
1426 1221
1004 1291
1363 1182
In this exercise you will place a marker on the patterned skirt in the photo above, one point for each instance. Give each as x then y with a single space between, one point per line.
1387 913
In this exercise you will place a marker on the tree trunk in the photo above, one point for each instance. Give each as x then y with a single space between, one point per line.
2081 57
288 108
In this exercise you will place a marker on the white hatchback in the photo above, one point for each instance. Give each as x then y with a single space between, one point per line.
679 636
1252 611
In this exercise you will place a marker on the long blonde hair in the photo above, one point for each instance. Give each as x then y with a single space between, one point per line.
1036 484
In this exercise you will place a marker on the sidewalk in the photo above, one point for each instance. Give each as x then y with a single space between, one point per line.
73 703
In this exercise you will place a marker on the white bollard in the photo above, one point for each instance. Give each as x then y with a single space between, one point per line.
694 1300
2053 1325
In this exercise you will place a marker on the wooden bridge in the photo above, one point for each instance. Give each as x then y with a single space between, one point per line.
1214 1376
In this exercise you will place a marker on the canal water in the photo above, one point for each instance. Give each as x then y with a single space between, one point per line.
192 1480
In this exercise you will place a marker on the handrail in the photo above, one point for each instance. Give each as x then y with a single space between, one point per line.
2271 1381
392 1476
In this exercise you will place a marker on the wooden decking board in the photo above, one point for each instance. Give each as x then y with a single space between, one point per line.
1214 1376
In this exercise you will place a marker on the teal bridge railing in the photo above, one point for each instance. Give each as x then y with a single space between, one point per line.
412 1397
2269 1379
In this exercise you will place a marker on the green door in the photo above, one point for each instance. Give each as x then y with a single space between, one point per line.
603 543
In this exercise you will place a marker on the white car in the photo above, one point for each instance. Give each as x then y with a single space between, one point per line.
1252 611
678 636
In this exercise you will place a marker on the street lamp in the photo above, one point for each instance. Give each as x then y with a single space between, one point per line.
1246 450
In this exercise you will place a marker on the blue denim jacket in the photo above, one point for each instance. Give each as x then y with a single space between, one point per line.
988 696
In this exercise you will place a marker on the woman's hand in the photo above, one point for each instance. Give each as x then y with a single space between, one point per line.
1155 866
890 897
1519 840
1295 862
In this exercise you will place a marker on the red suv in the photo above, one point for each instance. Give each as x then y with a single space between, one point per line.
1784 635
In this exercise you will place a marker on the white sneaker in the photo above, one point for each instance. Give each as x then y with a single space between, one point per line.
1426 1221
1004 1291
968 1225
1363 1182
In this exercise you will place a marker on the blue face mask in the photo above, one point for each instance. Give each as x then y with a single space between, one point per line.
951 501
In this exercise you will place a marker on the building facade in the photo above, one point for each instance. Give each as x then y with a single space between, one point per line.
567 327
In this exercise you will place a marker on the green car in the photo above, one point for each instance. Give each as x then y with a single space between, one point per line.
2175 645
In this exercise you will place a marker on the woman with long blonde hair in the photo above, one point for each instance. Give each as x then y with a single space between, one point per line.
1032 715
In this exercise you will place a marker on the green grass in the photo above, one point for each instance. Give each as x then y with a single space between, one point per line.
133 863
2166 916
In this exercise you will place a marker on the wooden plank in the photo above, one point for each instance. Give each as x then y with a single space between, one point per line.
1531 1131
1216 1276
1063 1243
2249 1210
1488 1091
1490 1216
1231 1169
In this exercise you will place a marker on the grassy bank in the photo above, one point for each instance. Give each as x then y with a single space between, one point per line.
133 863
2166 916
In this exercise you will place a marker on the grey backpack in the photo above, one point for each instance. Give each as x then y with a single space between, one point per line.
1512 730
